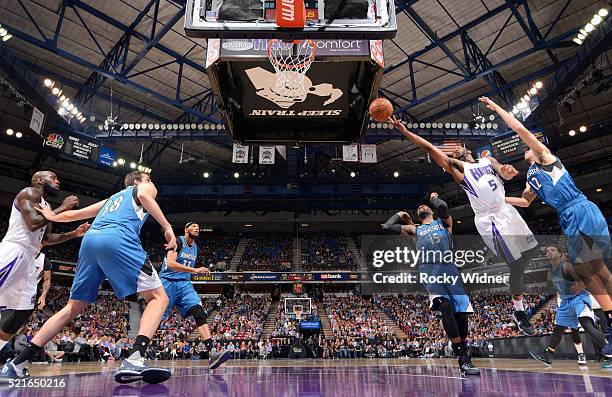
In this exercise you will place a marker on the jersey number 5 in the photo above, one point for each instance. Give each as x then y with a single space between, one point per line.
493 184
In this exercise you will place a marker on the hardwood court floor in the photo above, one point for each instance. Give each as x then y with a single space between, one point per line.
312 378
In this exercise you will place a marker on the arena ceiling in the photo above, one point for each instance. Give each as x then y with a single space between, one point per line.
138 49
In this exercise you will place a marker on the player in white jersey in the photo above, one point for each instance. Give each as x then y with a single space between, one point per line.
27 230
499 224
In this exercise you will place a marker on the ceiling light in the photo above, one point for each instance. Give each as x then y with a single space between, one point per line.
539 85
206 175
304 225
572 133
353 174
596 20
582 128
132 165
156 126
121 161
48 83
589 28
248 225
18 135
55 91
140 168
458 221
599 190
526 98
9 132
396 174
7 37
603 12
533 91
236 175
581 36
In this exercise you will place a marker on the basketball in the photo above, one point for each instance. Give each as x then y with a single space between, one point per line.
381 109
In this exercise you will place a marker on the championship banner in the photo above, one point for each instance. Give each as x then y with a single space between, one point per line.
350 153
240 154
282 151
37 120
367 154
266 154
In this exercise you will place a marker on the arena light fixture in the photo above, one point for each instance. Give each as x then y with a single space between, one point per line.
236 175
9 132
18 135
55 91
582 128
459 221
115 164
572 133
353 174
121 161
603 13
589 27
599 190
48 83
206 175
396 174
539 85
156 126
533 91
577 40
200 126
150 126
248 225
304 225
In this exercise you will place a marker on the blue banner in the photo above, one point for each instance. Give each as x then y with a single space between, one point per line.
107 156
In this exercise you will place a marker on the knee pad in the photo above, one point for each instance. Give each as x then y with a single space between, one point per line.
12 320
199 314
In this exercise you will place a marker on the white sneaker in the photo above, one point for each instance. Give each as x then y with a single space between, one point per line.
582 359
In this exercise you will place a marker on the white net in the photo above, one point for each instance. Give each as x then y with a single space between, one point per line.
291 61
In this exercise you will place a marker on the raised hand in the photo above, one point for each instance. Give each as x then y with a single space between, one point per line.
508 171
70 202
432 195
490 104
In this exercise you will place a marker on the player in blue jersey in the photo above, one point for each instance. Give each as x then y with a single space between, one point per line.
582 222
111 249
434 240
573 310
175 276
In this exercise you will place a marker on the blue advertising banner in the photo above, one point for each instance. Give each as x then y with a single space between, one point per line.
107 156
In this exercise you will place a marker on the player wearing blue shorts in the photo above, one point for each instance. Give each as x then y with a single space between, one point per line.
111 249
574 309
582 222
434 239
175 275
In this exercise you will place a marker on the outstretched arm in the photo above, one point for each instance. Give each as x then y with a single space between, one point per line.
58 238
399 224
450 165
73 215
530 140
172 264
525 200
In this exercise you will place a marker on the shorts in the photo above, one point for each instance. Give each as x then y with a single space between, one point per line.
453 291
587 231
570 310
505 233
17 277
116 256
180 294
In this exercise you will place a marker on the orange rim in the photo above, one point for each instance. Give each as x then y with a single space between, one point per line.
311 58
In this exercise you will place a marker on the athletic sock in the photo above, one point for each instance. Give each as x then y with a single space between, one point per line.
140 345
30 350
209 344
518 305
579 348
459 349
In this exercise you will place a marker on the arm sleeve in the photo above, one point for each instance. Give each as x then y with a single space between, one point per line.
441 206
393 225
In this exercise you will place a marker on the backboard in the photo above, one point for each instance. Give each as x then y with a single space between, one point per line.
291 19
338 86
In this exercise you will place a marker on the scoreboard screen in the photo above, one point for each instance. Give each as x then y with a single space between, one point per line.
509 147
82 149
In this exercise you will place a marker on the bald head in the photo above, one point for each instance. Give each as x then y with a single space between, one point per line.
46 181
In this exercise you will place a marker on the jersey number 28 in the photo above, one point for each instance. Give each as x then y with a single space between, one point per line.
113 205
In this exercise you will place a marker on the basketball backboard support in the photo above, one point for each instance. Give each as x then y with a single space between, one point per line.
324 19
338 87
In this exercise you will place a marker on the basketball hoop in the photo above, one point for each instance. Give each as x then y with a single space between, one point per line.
291 61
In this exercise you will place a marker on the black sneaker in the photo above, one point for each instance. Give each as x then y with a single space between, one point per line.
523 323
466 366
543 357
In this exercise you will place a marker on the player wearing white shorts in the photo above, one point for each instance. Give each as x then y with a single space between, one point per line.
499 224
26 232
